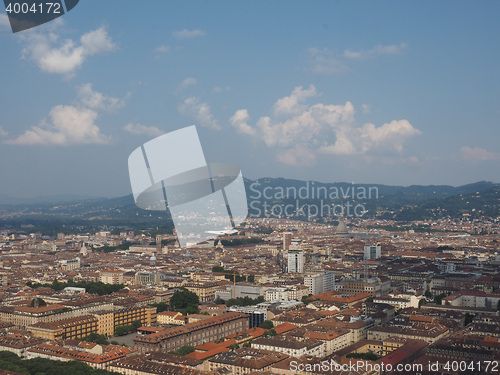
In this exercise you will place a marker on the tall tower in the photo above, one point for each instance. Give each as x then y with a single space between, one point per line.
295 261
158 243
373 252
287 240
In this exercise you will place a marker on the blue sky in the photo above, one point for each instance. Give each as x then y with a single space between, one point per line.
368 92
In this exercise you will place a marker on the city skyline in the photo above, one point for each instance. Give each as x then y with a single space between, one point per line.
397 94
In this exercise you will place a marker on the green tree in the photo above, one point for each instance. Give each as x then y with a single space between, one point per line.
184 350
185 302
428 294
160 306
468 318
366 356
247 344
267 324
94 337
438 299
129 328
233 346
41 302
271 332
244 301
219 301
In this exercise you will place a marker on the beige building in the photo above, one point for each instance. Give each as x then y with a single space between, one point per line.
204 290
111 276
65 329
170 317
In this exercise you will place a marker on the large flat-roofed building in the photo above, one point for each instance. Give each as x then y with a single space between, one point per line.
110 319
147 278
111 276
257 315
65 329
320 283
193 334
204 290
374 286
70 264
373 252
295 261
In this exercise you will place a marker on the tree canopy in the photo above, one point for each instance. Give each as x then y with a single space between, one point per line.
185 302
184 350
42 366
91 287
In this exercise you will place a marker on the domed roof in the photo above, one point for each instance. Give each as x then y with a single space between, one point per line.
341 228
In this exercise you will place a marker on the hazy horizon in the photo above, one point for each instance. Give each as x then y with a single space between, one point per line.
390 93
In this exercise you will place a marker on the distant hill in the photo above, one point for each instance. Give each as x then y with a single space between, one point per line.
402 203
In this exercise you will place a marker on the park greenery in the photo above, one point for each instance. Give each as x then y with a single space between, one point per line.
129 328
160 306
109 249
185 302
244 301
184 350
267 324
241 241
92 287
42 366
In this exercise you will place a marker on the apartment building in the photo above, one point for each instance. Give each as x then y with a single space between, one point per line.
111 276
65 329
246 360
193 334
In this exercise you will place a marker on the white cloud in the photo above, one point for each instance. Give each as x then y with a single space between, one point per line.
188 82
3 132
390 135
240 121
323 61
392 49
299 132
97 41
64 57
68 125
139 129
72 124
184 33
96 100
477 154
218 89
200 112
289 105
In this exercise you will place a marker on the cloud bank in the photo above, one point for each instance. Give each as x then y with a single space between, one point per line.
299 132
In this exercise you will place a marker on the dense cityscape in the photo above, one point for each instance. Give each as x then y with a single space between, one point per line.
249 187
278 297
